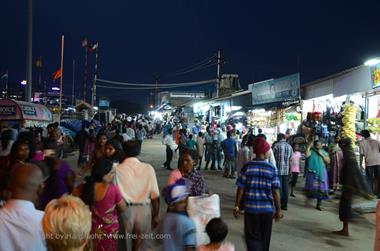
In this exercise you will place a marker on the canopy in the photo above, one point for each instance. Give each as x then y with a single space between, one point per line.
19 110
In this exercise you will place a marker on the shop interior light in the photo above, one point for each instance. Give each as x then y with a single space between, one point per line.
372 61
23 82
235 108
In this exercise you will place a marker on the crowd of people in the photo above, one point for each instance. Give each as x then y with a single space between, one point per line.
113 201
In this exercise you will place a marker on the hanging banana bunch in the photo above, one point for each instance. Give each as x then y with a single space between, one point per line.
349 115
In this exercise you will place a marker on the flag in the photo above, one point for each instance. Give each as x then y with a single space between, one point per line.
93 48
39 63
85 43
57 74
5 75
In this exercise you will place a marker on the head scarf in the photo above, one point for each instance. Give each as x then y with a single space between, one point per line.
260 146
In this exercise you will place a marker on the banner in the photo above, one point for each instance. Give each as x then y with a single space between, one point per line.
8 110
375 76
28 110
276 90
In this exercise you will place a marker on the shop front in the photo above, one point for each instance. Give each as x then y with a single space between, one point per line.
275 106
337 105
31 114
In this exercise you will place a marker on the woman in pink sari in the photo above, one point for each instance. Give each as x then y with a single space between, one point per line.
104 200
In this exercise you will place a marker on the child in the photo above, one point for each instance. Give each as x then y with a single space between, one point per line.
217 230
295 163
176 223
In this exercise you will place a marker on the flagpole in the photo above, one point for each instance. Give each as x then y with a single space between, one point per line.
93 99
72 90
85 70
6 85
60 85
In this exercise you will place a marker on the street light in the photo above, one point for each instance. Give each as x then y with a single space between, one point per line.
23 82
372 61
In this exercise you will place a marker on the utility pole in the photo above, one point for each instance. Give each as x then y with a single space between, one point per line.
72 87
29 57
219 61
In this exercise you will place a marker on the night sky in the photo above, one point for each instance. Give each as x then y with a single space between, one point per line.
138 39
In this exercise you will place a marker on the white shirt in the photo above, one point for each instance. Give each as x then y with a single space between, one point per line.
129 134
20 227
168 141
370 148
137 181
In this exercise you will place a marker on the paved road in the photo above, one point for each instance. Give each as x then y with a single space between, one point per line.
303 227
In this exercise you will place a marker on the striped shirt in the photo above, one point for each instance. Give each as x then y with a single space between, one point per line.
282 153
259 179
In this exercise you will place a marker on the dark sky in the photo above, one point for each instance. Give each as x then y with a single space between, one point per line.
259 39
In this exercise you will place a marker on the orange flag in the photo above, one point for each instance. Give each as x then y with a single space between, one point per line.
57 74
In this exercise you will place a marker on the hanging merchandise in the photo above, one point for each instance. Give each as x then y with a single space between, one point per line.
374 125
349 116
277 117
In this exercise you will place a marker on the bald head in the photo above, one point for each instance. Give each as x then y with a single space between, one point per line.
26 180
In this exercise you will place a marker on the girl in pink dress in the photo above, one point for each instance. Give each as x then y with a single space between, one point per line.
295 164
104 200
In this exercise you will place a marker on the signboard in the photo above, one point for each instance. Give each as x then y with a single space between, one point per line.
8 110
187 94
104 103
276 90
375 76
29 110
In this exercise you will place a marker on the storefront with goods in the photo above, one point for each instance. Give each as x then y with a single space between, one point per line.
275 106
337 105
373 117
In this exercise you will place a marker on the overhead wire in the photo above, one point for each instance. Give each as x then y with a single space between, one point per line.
179 85
140 85
195 69
196 65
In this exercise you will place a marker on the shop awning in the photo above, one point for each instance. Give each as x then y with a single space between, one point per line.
20 110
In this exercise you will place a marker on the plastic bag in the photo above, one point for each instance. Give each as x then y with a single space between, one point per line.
201 210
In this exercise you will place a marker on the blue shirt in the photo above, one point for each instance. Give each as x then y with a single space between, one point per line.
180 231
259 179
229 146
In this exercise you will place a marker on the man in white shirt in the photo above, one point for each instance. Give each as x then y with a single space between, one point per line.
20 222
137 182
170 147
370 150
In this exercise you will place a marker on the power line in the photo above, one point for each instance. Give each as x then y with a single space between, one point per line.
160 86
195 69
201 63
141 85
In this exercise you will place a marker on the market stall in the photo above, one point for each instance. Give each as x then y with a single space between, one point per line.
15 111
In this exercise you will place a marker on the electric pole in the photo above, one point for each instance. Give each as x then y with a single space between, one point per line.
219 62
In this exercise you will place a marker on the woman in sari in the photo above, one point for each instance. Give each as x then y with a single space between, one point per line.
316 185
105 201
336 156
